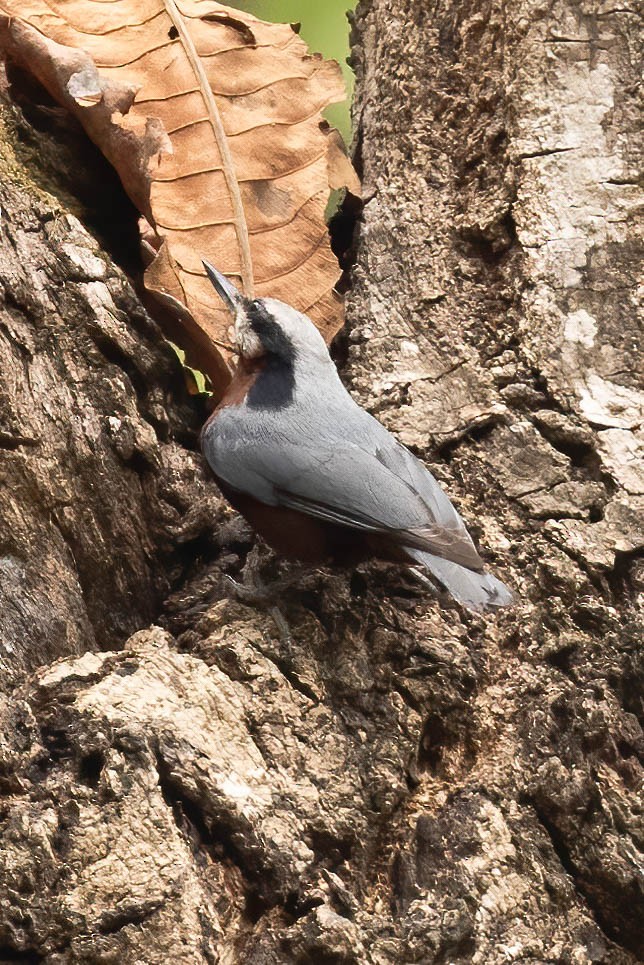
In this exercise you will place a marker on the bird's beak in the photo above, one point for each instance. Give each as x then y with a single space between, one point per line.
232 298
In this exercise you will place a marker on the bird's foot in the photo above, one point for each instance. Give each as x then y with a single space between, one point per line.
424 580
252 590
255 594
261 596
281 625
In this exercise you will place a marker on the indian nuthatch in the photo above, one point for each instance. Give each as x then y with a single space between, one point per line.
317 476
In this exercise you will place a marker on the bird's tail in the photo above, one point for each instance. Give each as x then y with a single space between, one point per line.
473 590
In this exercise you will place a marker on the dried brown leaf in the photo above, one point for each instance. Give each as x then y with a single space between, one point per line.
213 120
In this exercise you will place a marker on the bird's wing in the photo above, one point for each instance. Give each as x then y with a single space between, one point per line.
368 482
358 490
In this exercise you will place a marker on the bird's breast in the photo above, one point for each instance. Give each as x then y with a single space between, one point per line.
244 378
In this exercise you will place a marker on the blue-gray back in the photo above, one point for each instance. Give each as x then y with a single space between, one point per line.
325 456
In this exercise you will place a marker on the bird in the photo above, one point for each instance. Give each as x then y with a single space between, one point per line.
315 474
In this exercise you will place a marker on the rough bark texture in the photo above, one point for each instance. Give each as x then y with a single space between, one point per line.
395 783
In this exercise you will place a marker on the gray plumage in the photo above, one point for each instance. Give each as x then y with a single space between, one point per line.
313 449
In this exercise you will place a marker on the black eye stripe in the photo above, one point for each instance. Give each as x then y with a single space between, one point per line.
257 314
273 338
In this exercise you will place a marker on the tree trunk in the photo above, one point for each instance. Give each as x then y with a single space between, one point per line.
389 782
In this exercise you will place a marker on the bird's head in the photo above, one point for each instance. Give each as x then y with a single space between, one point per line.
266 326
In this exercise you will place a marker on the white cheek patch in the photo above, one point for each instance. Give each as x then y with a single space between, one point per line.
247 340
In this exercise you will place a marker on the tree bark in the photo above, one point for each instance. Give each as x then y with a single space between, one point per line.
388 782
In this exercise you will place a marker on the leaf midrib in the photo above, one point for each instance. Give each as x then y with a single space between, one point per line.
241 226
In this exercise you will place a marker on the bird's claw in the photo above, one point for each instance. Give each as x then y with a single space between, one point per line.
254 594
258 596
